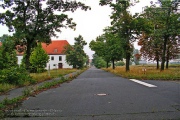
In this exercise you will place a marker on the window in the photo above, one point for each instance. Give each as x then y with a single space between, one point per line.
52 57
60 58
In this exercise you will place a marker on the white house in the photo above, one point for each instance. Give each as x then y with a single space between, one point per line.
57 59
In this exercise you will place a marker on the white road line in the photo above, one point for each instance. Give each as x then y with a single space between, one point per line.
143 83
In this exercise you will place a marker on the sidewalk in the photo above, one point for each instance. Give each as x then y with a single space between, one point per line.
19 91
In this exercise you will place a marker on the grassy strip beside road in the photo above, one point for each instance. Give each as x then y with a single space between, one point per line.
151 73
38 77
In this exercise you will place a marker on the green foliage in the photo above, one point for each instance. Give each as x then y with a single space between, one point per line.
120 63
125 27
108 46
98 61
38 59
75 54
10 72
7 52
161 44
37 20
16 76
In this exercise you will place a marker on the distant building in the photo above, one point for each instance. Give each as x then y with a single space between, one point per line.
57 59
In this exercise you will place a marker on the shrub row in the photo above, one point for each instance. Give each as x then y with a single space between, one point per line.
16 76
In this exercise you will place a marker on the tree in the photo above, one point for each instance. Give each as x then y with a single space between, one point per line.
33 20
125 25
114 46
70 55
166 27
75 54
170 26
98 61
38 59
101 49
151 47
7 52
87 61
172 50
108 47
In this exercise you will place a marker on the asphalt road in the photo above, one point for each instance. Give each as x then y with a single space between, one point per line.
99 95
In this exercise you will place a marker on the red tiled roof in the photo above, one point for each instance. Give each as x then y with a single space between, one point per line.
55 47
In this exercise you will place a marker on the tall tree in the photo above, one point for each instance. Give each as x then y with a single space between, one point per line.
125 25
108 46
114 46
75 54
170 26
101 48
166 27
173 50
151 48
33 20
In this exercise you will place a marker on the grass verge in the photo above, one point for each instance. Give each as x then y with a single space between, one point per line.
38 77
5 87
151 73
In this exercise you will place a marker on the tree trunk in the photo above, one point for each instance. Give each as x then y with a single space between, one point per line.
127 62
127 53
167 59
167 64
157 66
166 37
74 66
113 65
164 53
27 57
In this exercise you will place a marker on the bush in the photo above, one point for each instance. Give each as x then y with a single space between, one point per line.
120 63
16 76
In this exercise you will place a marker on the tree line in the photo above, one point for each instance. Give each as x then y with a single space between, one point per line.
156 30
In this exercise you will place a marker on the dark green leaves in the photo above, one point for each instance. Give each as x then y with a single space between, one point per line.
75 54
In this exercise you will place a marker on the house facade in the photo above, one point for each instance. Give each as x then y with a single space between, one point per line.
57 59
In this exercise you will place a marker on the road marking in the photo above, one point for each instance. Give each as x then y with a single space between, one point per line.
101 94
143 83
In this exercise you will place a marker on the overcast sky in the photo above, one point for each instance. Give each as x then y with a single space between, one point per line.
90 24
